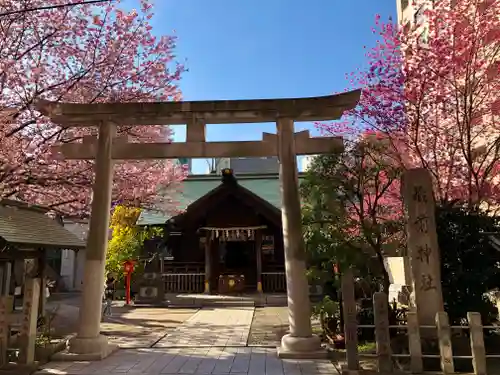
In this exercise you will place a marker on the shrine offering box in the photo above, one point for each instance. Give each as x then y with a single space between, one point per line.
231 284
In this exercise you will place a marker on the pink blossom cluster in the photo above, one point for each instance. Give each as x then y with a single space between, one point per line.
82 54
432 93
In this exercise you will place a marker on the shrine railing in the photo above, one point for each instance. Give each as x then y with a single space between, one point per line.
183 267
273 282
190 282
412 360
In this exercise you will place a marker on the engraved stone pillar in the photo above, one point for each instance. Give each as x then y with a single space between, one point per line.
300 342
88 340
28 324
423 249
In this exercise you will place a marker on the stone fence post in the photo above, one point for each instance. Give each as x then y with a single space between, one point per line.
382 335
350 322
477 343
444 338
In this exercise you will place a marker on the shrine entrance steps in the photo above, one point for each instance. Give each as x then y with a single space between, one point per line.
217 300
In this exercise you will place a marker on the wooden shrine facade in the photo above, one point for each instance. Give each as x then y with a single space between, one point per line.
27 234
228 241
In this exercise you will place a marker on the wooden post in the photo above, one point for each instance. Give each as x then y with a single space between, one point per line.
382 336
350 322
28 325
477 343
414 343
444 337
42 274
423 249
160 280
208 262
258 256
5 310
8 278
75 267
3 269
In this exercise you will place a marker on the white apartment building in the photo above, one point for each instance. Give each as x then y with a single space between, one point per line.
306 162
73 262
411 14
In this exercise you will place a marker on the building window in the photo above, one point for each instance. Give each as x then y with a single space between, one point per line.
419 17
448 109
404 4
423 38
407 27
267 248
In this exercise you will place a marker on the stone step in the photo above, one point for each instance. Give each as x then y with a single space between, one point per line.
228 303
211 302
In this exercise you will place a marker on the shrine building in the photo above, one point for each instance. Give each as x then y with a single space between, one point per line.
228 238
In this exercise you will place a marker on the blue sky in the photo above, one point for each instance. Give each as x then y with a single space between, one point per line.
266 49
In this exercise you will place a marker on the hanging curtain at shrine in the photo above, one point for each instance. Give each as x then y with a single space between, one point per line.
234 233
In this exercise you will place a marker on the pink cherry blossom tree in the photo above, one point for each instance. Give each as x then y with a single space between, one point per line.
82 54
432 89
352 211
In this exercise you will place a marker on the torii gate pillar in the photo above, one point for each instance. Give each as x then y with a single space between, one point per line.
300 342
88 340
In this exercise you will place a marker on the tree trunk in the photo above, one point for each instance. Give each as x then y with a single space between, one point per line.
386 283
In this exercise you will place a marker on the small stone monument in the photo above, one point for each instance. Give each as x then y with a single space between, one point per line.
28 324
427 297
5 310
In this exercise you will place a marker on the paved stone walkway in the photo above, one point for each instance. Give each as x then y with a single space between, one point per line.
143 327
212 341
211 327
128 327
198 361
268 326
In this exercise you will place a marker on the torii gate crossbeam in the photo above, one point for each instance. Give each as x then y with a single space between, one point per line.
300 342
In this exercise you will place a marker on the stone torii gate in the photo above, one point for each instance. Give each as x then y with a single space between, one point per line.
300 342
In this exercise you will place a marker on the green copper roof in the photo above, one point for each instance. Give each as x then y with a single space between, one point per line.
266 186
